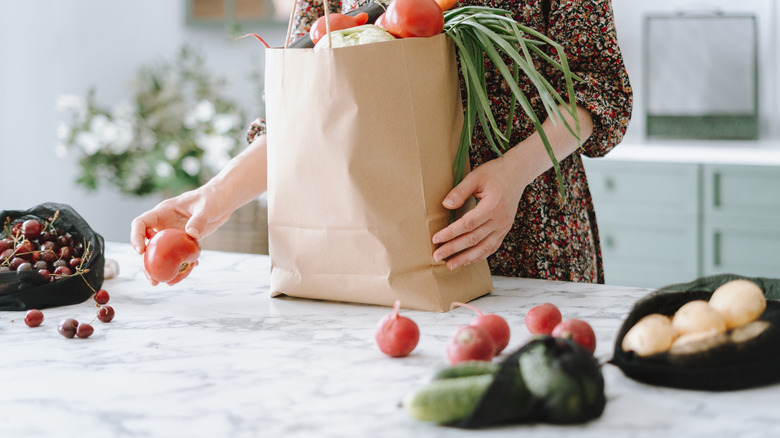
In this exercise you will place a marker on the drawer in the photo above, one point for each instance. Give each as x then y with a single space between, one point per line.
751 251
751 192
649 254
644 189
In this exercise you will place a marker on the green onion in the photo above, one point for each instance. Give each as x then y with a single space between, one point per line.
482 32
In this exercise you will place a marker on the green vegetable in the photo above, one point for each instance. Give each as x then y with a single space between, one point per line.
467 368
447 400
483 32
566 377
365 34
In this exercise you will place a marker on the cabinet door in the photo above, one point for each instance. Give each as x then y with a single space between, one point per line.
742 220
749 193
658 191
649 254
744 250
648 218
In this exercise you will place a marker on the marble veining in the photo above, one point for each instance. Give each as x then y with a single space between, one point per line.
214 356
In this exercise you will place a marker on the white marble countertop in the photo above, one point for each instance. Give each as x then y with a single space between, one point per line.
752 153
214 356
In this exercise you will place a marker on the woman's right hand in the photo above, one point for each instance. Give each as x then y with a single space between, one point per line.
198 212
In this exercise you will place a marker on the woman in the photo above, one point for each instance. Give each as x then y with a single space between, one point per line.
520 223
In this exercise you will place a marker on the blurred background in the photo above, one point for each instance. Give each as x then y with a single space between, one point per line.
139 100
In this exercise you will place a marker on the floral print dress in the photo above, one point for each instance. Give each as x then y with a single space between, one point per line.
550 239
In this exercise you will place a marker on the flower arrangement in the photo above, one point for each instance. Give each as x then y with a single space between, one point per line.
176 134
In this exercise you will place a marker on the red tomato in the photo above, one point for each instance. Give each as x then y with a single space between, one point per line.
414 18
337 22
170 256
446 5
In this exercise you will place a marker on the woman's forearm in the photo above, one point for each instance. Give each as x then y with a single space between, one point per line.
244 178
530 156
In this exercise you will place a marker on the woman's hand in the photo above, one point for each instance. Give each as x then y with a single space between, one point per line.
499 185
480 231
198 212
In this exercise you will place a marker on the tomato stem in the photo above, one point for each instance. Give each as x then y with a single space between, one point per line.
468 306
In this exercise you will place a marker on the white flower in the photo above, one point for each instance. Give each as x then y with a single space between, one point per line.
76 104
224 123
172 151
191 165
104 129
124 136
63 132
163 170
123 110
215 150
88 142
203 112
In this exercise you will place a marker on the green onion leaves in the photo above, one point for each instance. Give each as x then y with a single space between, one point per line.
482 32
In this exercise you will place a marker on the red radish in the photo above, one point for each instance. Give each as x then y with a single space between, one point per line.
470 342
336 22
397 335
542 319
578 331
495 325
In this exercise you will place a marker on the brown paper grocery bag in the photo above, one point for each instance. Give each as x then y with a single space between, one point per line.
361 145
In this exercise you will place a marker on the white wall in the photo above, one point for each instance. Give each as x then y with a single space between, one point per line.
54 47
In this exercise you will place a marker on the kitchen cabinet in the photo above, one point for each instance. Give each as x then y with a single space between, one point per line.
669 222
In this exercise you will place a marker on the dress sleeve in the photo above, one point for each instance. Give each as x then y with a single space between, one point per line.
306 13
586 30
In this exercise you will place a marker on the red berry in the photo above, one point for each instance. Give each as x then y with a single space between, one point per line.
101 296
84 330
105 313
68 327
578 331
33 318
542 319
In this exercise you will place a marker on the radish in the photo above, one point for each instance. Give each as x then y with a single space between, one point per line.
397 335
578 331
542 319
495 325
470 342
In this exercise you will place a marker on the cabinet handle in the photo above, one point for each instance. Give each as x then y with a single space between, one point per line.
609 183
716 189
609 242
716 249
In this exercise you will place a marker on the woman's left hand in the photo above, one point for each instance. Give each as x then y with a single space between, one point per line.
480 231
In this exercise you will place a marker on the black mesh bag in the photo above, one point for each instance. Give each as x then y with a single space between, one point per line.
30 290
724 366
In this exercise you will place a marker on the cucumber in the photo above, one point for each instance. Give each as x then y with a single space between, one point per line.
447 400
465 369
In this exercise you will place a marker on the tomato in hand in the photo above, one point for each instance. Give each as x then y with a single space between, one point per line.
170 256
337 22
414 18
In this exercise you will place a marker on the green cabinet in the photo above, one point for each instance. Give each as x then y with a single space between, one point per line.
663 223
648 218
741 220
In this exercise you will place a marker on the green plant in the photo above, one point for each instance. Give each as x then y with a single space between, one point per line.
176 133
